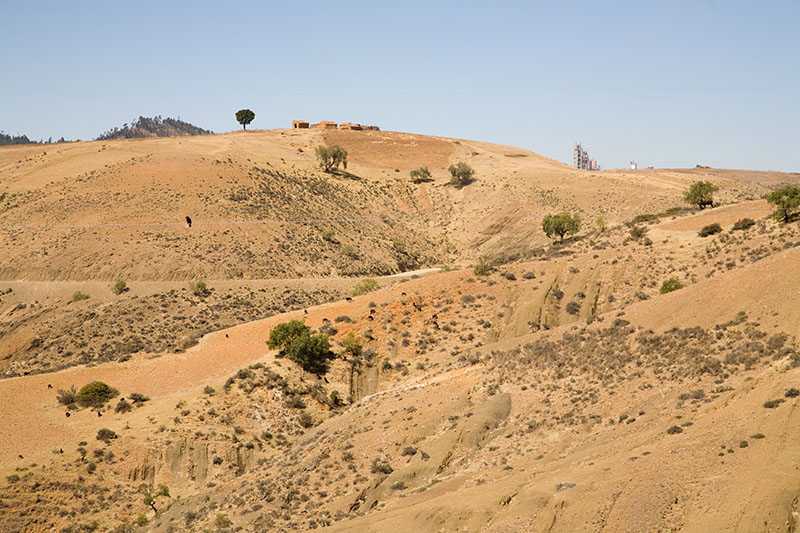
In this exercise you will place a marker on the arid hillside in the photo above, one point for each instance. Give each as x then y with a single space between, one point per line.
261 208
556 387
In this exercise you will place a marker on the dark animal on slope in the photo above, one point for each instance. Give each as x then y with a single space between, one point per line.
189 221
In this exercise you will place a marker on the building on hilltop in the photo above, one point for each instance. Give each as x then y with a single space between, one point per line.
581 159
325 125
634 166
299 124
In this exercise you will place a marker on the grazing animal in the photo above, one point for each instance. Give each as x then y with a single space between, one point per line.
372 311
188 221
348 299
99 414
370 317
226 336
435 316
67 413
436 324
402 294
49 386
305 311
20 456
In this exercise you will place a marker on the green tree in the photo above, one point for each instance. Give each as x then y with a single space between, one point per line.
561 225
245 117
421 174
95 394
461 174
330 157
787 200
295 340
351 345
600 222
701 193
150 494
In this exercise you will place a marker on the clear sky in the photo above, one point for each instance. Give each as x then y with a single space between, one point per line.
668 83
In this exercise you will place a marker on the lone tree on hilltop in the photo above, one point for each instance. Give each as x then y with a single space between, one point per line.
561 224
330 157
701 193
461 174
245 117
787 200
295 341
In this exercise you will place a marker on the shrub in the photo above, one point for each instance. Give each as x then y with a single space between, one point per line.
461 174
78 296
408 450
330 157
399 486
222 521
349 250
671 284
711 229
757 436
141 520
674 430
106 435
120 287
573 308
561 225
381 467
198 288
305 420
364 286
209 390
701 193
743 224
95 394
792 393
67 397
772 404
484 266
743 444
637 232
123 406
138 398
328 235
421 174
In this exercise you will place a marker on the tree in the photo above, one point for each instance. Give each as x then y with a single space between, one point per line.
561 224
600 222
245 117
786 199
461 174
421 174
150 494
330 157
295 340
701 193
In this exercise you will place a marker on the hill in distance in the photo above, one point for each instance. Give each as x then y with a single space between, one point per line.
153 127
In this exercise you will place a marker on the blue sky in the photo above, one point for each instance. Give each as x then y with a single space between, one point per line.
667 83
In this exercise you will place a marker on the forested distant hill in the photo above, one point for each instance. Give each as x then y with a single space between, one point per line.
153 127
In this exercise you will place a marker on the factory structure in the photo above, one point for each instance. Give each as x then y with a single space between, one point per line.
581 159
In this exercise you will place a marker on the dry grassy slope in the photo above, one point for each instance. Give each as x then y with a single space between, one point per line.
252 176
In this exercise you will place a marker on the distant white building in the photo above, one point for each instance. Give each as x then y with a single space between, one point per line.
634 166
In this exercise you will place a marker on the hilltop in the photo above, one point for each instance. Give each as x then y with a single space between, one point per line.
559 390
